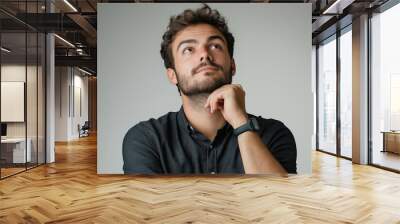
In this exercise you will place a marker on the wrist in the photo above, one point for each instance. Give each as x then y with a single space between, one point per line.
240 121
250 125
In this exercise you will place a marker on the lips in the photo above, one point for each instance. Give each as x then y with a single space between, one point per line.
207 68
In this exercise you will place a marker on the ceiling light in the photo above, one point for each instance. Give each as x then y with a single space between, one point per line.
84 71
331 7
65 41
70 5
5 50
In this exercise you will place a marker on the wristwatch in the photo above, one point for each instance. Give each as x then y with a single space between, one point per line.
251 125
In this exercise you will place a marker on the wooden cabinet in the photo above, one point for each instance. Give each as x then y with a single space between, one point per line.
391 142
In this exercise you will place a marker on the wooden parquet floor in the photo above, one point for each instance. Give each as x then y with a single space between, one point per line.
70 191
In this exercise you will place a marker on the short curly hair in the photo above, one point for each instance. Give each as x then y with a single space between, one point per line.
203 15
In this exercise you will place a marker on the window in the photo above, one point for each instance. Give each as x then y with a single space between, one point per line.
327 95
346 93
385 88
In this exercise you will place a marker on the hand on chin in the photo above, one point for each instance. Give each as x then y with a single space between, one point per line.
230 101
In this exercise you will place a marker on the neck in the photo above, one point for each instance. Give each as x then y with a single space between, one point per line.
200 118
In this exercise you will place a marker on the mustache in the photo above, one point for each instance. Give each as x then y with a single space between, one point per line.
203 64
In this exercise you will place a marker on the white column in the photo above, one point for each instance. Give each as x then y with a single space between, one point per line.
50 91
360 90
50 81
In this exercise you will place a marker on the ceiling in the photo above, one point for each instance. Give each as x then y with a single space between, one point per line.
76 22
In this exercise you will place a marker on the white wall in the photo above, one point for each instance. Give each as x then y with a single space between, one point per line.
67 80
272 54
61 103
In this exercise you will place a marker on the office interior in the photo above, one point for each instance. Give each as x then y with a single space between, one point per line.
49 92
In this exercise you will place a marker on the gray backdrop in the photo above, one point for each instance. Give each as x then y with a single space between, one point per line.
272 54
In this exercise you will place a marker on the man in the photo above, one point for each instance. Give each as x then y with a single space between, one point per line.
212 132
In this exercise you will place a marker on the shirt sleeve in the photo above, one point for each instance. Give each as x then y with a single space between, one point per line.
281 143
139 152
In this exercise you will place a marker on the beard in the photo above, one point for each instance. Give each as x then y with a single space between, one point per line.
190 86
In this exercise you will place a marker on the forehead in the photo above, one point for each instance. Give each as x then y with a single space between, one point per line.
197 32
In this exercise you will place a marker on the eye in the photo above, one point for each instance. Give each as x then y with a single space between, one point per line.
217 46
187 50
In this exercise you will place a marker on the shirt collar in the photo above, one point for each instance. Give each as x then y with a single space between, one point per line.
185 125
183 122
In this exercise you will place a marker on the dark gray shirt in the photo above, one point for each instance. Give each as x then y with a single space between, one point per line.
170 145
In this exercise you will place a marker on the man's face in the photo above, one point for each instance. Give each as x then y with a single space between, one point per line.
202 61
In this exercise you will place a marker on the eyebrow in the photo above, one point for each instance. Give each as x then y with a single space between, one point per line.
210 38
214 37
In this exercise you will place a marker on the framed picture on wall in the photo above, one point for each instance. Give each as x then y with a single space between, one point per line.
12 101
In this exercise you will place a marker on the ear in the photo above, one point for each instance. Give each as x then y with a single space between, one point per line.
233 66
172 76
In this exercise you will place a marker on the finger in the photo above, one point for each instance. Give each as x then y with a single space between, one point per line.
220 104
217 100
210 100
241 87
212 104
211 97
208 103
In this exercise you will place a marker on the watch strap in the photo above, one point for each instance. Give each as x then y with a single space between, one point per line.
250 125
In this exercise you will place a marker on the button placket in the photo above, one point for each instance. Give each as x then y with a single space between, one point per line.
211 147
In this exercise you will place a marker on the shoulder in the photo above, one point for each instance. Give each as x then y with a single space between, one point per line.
269 124
151 126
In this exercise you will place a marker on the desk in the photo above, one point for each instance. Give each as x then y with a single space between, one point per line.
391 141
15 148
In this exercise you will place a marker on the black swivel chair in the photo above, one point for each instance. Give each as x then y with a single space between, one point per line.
84 130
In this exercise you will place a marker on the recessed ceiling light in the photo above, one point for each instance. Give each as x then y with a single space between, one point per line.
64 40
5 50
84 71
328 10
70 5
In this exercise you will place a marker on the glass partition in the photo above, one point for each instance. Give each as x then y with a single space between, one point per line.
14 153
41 107
385 89
32 95
22 78
327 95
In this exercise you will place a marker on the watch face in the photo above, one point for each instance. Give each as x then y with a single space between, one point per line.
255 124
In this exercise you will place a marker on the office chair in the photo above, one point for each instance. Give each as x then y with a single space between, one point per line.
84 130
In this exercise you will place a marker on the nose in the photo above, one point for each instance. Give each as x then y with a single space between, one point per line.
205 55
